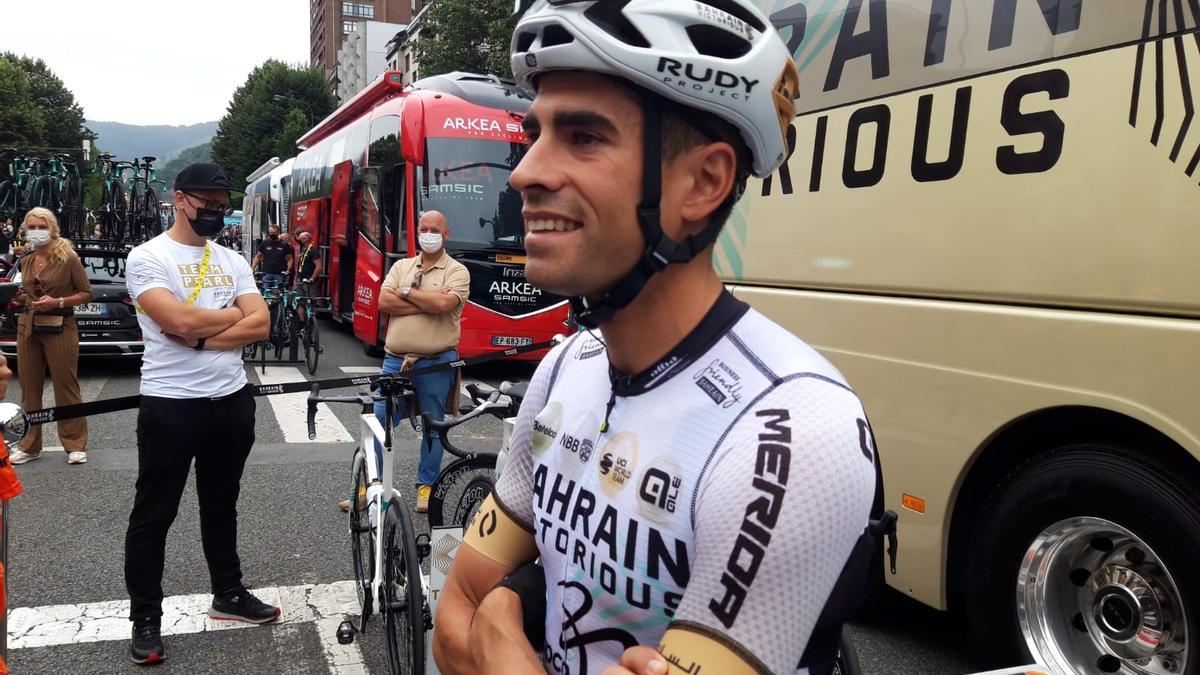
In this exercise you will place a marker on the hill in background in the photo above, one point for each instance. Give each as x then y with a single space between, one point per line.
126 141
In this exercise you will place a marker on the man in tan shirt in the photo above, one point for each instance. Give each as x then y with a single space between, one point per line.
425 296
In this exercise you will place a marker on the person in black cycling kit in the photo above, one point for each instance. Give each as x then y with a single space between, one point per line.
275 257
309 265
308 268
698 484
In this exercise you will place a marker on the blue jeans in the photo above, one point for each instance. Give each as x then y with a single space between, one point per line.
432 392
268 278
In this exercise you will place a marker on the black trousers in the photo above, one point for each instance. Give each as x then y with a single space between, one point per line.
218 434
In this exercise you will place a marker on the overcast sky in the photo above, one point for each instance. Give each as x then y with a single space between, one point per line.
163 62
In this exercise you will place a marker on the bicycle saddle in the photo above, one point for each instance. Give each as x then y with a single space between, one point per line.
148 159
515 390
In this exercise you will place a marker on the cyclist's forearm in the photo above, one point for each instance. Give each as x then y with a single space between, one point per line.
451 635
497 638
252 328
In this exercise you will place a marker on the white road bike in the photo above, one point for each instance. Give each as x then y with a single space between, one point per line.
387 561
387 571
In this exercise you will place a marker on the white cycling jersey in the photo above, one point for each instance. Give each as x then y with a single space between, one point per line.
721 493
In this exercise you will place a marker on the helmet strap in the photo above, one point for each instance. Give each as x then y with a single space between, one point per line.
660 250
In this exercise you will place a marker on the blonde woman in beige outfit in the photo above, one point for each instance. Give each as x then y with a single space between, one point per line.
53 282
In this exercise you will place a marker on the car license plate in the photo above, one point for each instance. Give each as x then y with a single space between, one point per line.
90 309
511 341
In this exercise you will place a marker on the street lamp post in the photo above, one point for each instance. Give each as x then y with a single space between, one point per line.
303 104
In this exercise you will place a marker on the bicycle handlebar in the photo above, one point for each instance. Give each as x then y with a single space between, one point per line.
450 422
387 385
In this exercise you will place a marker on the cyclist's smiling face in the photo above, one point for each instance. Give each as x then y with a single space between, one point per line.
581 181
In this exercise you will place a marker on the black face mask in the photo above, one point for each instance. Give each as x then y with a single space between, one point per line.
273 237
208 222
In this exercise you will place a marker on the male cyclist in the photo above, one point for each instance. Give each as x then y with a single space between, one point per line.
696 481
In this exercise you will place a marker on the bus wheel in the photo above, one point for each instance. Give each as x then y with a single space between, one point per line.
1084 560
372 350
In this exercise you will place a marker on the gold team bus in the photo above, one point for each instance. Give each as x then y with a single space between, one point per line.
990 223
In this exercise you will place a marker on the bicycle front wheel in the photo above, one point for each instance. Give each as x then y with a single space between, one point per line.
119 210
360 538
460 489
312 345
403 597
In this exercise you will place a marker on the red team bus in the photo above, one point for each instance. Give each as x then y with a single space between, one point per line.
446 143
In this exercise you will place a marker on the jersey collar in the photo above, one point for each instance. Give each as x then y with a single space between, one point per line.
725 312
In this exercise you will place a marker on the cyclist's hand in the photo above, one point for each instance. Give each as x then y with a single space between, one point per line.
639 661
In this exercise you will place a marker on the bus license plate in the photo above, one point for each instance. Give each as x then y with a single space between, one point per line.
90 309
510 341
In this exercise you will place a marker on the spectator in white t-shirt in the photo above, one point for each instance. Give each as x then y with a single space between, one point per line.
197 307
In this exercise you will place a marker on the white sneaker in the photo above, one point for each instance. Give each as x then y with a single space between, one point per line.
77 457
20 456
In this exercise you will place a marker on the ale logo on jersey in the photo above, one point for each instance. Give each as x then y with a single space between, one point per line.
658 489
546 426
618 459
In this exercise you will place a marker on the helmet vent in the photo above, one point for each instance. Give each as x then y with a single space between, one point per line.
717 42
525 41
556 35
610 17
735 8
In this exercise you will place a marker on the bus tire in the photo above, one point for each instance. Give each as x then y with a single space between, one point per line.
373 351
1065 550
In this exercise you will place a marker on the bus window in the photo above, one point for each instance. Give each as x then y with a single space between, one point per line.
467 180
370 213
384 160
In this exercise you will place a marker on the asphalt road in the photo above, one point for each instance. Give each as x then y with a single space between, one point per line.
67 532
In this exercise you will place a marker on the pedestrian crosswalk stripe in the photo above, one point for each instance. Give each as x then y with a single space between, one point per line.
291 410
325 604
360 370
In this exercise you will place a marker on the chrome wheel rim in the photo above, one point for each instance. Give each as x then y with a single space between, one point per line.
1092 597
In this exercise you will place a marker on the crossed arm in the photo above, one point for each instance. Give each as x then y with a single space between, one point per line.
418 302
229 328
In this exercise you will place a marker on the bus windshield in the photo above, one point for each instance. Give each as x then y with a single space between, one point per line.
467 180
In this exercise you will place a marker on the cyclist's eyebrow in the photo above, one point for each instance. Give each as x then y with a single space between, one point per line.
530 124
588 119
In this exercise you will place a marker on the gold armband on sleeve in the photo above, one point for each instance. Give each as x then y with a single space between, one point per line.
692 648
502 538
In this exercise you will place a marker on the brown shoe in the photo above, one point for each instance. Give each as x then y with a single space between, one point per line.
423 498
344 505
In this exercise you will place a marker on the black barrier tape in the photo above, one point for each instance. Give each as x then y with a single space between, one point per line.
67 412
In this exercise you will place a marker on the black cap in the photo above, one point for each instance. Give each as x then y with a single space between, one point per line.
202 176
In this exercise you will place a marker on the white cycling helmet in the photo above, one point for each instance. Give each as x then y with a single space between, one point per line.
717 56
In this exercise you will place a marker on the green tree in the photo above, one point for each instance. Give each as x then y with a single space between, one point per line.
466 35
268 113
63 126
199 153
295 123
21 122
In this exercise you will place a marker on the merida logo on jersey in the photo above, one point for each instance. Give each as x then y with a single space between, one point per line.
769 486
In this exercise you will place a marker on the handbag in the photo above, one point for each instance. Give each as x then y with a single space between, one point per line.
48 323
